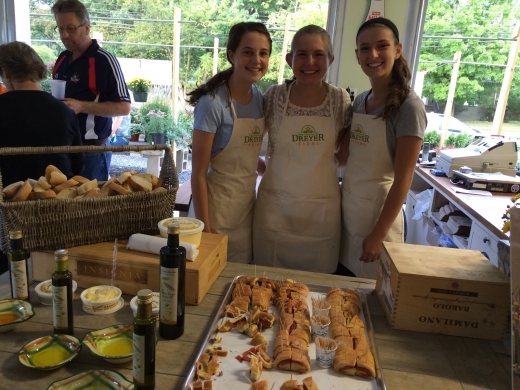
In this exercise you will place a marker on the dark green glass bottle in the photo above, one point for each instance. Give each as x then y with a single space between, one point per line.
18 256
172 287
144 342
62 309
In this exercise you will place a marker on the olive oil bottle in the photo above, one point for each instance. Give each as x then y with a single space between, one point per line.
17 256
144 342
62 313
172 287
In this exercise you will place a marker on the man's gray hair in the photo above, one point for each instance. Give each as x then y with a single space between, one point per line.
75 6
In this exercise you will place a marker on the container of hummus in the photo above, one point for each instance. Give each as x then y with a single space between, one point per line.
44 291
102 299
191 229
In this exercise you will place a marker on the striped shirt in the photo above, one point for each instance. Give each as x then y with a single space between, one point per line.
96 77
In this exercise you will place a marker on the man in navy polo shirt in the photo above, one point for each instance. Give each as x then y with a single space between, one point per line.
96 89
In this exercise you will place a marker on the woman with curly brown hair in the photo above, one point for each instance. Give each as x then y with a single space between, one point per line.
380 149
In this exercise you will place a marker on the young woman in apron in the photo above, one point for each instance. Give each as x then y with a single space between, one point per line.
382 147
297 212
227 137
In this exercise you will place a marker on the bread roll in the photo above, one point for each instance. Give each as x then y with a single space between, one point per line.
68 193
69 183
93 193
37 188
33 182
117 189
49 170
105 189
160 182
43 183
80 179
124 177
23 192
12 189
57 178
86 187
151 178
140 183
46 194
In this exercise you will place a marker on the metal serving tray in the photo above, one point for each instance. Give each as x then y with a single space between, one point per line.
235 375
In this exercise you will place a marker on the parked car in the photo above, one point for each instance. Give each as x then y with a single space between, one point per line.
455 126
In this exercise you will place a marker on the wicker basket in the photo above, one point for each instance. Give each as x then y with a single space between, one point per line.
52 224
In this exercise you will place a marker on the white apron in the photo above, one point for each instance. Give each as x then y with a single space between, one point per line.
297 219
367 179
232 187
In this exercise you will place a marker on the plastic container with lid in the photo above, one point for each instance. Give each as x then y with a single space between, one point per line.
102 299
44 291
191 229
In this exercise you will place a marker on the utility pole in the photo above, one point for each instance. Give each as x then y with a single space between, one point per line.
176 53
451 95
500 111
215 55
284 48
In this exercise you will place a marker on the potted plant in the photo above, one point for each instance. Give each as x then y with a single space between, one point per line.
140 88
182 131
155 126
136 124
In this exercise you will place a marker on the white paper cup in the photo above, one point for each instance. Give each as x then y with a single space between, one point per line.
58 88
325 357
320 326
321 311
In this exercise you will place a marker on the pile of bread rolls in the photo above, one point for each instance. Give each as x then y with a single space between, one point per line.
353 356
291 344
55 185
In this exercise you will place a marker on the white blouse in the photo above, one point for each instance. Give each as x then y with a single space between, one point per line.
274 103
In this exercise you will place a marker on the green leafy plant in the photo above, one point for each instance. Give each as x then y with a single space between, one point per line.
182 130
459 140
432 137
138 84
156 122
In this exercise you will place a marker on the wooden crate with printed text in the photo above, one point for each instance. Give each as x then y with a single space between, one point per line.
442 290
91 265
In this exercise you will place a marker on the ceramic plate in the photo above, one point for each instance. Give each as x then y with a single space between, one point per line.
114 344
49 352
13 312
93 379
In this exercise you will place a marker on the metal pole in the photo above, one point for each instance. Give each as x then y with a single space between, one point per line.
284 48
500 111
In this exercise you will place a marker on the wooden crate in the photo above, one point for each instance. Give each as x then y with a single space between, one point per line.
442 290
91 265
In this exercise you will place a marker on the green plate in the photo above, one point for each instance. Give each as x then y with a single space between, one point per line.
110 343
49 352
14 312
93 379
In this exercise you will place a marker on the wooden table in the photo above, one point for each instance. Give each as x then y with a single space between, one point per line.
409 360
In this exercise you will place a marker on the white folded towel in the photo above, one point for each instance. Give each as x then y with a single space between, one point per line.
152 244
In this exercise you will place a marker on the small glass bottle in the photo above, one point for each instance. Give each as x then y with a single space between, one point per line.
144 342
172 287
17 256
62 310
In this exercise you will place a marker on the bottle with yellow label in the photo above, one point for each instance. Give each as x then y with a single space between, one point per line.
172 286
17 256
62 313
144 342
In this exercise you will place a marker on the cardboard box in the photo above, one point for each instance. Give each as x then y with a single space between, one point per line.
442 290
91 265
